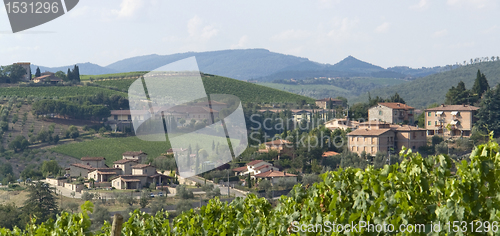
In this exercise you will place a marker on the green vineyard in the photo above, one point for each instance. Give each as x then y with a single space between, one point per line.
419 191
247 92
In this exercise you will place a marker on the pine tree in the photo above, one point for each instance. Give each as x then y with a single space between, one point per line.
38 73
458 95
41 202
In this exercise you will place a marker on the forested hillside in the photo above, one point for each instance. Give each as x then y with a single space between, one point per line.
432 89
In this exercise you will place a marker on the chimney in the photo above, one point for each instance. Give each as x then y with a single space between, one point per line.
398 104
442 105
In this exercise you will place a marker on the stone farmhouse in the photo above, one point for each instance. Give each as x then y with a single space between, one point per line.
259 169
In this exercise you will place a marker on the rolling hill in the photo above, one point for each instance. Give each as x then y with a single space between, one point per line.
247 92
432 89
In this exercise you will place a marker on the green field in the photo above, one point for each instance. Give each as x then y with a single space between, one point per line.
56 91
112 148
113 76
247 92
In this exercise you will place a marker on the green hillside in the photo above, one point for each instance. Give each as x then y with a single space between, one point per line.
113 76
432 89
349 88
247 92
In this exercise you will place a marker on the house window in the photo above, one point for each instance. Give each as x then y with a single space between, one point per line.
380 112
116 117
129 117
429 114
146 171
428 123
435 123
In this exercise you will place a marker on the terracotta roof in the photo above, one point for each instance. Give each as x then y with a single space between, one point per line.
123 161
453 108
406 128
240 169
141 166
254 162
273 173
132 153
329 153
82 166
368 132
262 167
92 158
277 142
106 169
396 105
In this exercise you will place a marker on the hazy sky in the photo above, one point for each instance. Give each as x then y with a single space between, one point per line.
414 33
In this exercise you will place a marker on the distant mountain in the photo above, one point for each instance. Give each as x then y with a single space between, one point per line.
348 67
85 69
432 89
242 64
351 64
254 64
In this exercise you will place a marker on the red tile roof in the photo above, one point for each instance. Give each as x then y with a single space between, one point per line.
130 180
262 167
240 169
396 105
132 153
329 153
368 132
453 108
87 167
273 173
254 162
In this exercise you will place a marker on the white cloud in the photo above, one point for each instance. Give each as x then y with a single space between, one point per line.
422 4
197 31
242 42
128 8
290 34
382 28
440 33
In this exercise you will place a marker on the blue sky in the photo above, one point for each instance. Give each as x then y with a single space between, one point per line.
413 33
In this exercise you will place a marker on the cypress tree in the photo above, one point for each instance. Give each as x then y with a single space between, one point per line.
69 75
38 73
480 84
